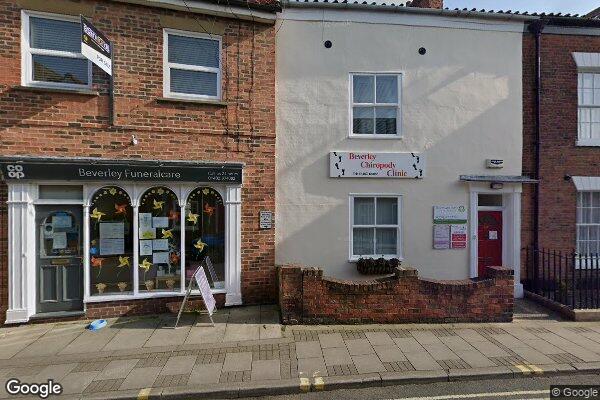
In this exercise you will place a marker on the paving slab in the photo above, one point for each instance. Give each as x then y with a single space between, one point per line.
132 335
269 331
470 335
116 369
90 341
479 373
241 332
440 351
140 378
336 356
357 347
311 367
577 338
389 353
369 363
238 362
570 347
379 339
265 370
178 365
422 361
489 349
76 382
206 334
52 342
425 337
409 345
475 359
456 343
205 373
532 356
166 335
542 346
331 340
310 349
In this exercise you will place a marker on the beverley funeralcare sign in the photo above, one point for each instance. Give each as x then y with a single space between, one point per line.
376 165
80 170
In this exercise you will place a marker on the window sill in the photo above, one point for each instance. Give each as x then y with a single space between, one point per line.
376 137
43 89
588 143
144 295
192 101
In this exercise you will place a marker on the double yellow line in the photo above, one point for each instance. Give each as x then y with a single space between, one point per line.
528 369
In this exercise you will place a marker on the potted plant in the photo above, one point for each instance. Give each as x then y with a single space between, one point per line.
122 286
380 266
100 287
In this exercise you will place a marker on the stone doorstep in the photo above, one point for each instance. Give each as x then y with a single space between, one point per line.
296 386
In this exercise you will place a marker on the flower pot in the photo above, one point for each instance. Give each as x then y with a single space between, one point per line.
122 286
170 283
149 284
100 287
380 266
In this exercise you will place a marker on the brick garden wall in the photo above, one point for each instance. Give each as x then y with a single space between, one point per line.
559 154
305 296
47 123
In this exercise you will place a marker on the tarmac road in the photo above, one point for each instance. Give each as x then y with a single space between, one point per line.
498 389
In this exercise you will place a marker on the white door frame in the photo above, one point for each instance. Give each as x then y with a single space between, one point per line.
511 227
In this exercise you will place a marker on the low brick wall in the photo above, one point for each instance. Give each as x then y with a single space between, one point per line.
306 297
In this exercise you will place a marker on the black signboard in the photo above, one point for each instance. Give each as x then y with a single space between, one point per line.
86 170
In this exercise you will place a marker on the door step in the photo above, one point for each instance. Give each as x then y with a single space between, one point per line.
58 314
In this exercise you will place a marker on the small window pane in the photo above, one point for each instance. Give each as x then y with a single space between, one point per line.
60 192
583 233
387 211
52 34
364 211
60 69
362 243
362 121
193 51
587 96
386 241
490 200
194 82
385 122
363 88
387 89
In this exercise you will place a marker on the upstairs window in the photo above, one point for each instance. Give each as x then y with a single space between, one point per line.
51 51
192 65
588 224
375 105
588 91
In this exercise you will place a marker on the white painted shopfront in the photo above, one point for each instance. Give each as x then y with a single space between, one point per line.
73 242
380 112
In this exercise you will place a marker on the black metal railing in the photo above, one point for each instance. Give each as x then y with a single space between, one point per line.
566 277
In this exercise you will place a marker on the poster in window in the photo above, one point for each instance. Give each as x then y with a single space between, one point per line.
160 222
160 244
161 257
112 230
110 247
145 220
146 247
61 221
59 240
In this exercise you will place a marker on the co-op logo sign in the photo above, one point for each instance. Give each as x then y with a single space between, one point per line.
15 171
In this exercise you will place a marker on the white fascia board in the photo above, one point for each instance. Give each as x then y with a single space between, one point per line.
346 15
201 7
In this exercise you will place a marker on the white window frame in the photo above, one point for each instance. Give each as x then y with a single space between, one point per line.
352 104
399 251
585 141
27 53
168 65
586 262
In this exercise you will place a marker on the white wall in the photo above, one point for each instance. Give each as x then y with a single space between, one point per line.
461 104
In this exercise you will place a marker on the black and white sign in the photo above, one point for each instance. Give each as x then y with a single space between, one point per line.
266 219
95 46
80 170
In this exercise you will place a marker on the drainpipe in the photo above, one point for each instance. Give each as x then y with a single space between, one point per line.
536 27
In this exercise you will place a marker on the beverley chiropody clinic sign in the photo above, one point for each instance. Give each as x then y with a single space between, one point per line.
376 165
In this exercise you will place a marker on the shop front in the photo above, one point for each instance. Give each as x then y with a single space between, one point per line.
84 232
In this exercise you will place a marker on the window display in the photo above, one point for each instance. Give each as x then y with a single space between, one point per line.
159 241
205 235
111 242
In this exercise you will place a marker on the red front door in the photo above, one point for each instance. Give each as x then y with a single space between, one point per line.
490 240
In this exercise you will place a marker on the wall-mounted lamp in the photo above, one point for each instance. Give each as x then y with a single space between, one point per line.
134 140
567 177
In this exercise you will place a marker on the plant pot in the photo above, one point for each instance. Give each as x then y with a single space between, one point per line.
149 284
380 266
170 284
122 286
100 287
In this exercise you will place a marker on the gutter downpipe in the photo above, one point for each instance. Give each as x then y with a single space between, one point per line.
536 27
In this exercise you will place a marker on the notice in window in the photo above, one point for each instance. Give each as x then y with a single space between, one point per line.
147 233
161 257
145 220
112 230
145 247
111 247
61 221
160 244
59 240
441 237
160 222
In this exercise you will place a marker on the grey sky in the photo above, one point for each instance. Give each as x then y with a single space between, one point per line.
563 6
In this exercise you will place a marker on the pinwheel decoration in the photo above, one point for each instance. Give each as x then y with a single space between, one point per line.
145 265
97 215
123 263
97 263
121 209
174 215
158 205
167 233
112 191
200 245
208 210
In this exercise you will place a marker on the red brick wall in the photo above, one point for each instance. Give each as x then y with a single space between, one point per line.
68 125
559 155
311 299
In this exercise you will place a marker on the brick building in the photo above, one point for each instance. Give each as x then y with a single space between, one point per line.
104 215
566 202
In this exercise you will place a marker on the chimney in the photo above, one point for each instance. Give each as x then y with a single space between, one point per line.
439 4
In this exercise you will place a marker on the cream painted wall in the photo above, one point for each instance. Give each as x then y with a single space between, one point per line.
461 104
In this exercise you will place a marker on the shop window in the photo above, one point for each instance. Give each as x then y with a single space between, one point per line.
159 241
375 226
192 65
588 223
60 192
375 105
205 234
111 242
588 90
52 52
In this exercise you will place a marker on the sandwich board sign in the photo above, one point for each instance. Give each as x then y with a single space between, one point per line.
205 291
95 46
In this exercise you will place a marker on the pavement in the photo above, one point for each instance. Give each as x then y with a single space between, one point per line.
248 353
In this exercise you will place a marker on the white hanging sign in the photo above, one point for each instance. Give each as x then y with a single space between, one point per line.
376 165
